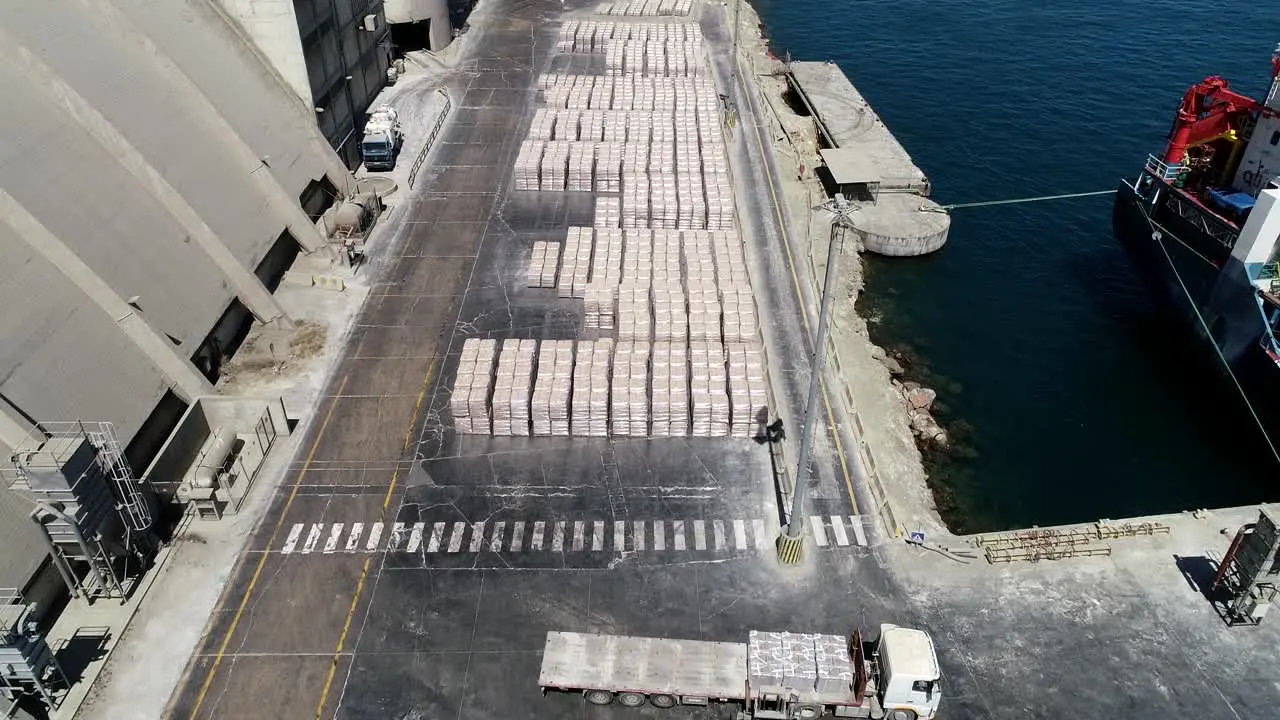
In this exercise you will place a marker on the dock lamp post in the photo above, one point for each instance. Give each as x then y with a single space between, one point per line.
791 541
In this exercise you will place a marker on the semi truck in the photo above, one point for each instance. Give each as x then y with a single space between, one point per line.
382 139
772 676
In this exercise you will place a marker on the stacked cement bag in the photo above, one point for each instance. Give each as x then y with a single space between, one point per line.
704 310
613 59
670 408
591 126
601 97
512 386
527 164
576 267
566 125
469 403
634 318
608 212
544 123
590 408
747 388
615 129
635 158
582 156
609 167
550 408
708 390
630 402
640 134
635 198
691 201
598 302
637 257
667 265
579 97
670 317
607 263
624 93
557 90
719 204
738 307
555 166
542 265
564 43
663 201
731 265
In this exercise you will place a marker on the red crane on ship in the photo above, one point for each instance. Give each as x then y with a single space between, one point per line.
1210 110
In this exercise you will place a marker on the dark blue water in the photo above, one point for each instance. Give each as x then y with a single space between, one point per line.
1081 402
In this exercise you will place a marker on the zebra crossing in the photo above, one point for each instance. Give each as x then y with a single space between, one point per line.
562 536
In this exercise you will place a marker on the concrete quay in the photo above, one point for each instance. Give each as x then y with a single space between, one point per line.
864 160
1129 634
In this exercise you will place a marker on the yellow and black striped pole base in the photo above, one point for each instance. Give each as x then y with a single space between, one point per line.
790 549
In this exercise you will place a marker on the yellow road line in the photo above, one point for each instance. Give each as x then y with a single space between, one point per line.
791 265
262 561
368 562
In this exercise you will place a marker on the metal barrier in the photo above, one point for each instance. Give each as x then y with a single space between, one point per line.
1163 170
1058 543
431 137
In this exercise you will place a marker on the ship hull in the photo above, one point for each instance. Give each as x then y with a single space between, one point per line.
1188 284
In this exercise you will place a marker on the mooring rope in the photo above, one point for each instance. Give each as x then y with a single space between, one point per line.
1205 326
1027 200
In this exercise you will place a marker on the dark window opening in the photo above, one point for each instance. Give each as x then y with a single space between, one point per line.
277 261
318 196
223 340
155 430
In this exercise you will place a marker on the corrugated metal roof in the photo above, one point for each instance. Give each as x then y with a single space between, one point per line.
134 94
23 548
86 198
69 361
62 358
266 113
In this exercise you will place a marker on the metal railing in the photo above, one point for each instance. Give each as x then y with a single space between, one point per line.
1164 170
431 137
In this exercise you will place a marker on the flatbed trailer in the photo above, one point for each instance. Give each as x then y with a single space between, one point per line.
666 672
773 676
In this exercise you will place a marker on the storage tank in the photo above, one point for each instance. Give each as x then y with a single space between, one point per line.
434 13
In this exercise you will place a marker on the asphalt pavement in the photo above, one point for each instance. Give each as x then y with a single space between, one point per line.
387 579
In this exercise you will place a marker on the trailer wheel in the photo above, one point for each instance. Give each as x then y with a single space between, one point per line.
631 699
662 701
808 712
901 714
599 697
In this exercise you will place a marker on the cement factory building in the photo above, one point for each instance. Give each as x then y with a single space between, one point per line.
161 165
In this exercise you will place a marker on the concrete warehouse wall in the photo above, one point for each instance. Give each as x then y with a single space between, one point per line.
273 26
345 61
150 161
323 50
433 14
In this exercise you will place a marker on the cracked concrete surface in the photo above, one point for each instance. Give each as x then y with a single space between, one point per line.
400 635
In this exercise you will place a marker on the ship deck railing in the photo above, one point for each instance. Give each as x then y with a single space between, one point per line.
1164 170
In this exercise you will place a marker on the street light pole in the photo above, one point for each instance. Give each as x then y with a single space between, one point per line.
733 74
791 541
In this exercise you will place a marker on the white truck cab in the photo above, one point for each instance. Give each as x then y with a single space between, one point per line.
909 676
